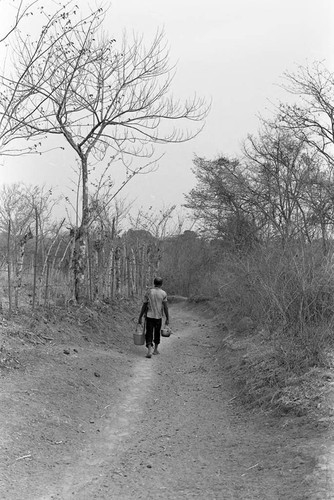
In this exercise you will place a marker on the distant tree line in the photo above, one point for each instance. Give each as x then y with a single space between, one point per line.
280 188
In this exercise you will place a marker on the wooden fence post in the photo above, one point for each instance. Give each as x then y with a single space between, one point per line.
112 273
46 296
132 271
9 270
19 265
118 270
35 260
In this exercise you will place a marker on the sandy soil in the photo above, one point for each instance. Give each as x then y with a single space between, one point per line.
90 417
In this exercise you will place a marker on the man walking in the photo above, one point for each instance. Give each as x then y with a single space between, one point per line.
154 306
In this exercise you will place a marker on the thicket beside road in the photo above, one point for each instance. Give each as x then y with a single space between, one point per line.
103 422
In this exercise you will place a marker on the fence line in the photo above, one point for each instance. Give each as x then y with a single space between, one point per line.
120 269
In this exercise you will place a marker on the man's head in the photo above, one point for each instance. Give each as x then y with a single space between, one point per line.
157 281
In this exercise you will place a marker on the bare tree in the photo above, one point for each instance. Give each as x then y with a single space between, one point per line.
291 182
311 118
104 100
220 201
278 170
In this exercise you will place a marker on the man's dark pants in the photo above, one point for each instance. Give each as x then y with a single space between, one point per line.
153 327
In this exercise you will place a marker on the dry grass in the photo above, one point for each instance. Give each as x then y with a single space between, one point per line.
265 379
284 363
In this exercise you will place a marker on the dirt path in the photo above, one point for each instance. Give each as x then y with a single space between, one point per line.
171 429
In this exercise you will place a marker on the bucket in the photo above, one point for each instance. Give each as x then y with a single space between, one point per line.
166 332
139 338
139 334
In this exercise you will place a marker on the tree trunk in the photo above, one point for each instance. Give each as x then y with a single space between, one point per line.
142 268
80 263
324 237
124 274
80 268
118 270
72 261
136 270
46 295
90 270
149 273
132 272
97 248
9 268
128 271
35 261
19 265
112 273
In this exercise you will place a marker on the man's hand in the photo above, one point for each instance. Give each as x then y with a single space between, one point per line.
167 322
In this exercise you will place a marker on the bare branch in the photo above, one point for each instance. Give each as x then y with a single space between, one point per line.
21 12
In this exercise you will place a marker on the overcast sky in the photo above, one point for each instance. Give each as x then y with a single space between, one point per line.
231 51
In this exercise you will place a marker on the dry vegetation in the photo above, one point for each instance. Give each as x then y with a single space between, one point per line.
276 316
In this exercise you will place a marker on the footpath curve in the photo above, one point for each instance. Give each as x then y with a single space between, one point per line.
178 433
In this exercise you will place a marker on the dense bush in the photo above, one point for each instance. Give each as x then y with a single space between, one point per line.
288 293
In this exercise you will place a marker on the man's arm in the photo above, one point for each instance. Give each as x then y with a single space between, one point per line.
143 311
165 306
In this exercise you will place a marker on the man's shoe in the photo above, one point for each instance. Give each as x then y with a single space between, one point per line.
156 351
149 352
